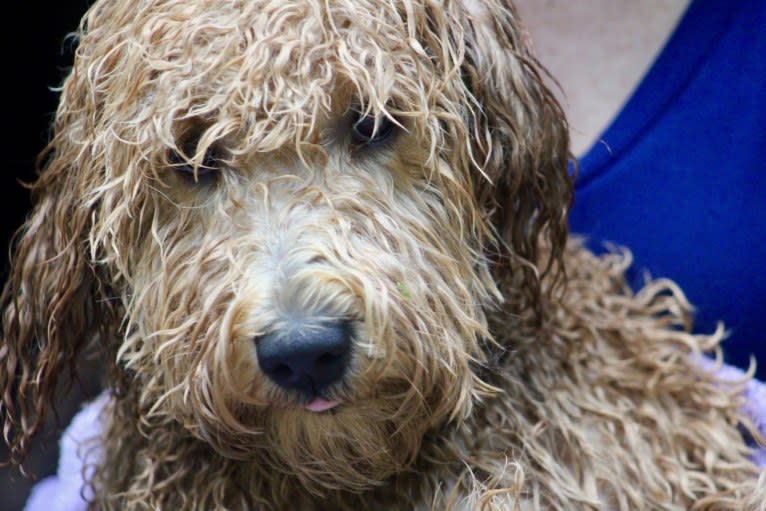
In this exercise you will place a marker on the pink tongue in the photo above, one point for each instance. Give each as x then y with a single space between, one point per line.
321 405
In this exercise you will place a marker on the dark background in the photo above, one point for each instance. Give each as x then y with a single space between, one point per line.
35 59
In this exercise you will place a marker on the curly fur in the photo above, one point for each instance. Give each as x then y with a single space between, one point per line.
495 364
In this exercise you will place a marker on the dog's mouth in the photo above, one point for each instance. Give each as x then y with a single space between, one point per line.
319 405
316 404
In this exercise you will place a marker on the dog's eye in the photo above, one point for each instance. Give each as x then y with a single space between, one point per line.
369 129
206 172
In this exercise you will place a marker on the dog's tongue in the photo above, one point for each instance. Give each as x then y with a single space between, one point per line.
321 405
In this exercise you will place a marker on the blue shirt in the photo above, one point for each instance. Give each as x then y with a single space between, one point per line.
679 176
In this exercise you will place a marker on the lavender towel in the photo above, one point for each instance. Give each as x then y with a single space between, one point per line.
66 490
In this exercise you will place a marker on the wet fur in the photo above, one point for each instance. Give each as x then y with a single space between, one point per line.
496 364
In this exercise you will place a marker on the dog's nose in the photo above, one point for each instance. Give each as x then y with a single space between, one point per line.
307 359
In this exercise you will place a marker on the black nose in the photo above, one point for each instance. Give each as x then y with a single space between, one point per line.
307 359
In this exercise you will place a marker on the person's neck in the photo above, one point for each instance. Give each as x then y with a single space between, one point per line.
598 51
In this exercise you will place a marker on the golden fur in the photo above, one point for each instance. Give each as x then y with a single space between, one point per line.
495 364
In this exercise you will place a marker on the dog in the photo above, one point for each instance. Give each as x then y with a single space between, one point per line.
322 249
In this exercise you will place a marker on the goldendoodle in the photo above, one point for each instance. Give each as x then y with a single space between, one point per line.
323 246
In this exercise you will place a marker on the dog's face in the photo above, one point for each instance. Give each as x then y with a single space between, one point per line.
286 219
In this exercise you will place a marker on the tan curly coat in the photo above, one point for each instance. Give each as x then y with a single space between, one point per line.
206 183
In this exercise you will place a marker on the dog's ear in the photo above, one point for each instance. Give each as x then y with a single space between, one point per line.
49 306
519 142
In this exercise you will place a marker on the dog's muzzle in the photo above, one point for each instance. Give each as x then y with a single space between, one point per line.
306 358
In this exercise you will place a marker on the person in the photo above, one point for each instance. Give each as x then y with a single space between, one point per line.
667 107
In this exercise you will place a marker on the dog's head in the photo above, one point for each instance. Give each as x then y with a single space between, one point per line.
286 223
